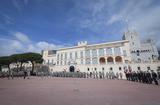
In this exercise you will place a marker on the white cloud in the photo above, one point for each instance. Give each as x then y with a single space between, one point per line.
114 19
22 37
21 43
142 15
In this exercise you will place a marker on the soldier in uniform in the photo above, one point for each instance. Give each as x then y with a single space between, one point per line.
126 73
138 76
12 75
107 75
103 74
148 77
96 75
25 74
110 74
100 75
90 74
154 77
117 75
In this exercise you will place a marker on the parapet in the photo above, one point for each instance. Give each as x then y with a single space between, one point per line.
82 43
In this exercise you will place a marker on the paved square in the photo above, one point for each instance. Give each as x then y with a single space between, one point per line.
76 91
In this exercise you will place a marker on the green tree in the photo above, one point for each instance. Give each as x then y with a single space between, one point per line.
34 58
6 61
20 58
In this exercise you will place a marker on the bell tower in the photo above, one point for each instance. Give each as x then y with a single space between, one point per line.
133 38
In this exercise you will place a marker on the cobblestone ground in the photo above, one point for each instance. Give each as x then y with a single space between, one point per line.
76 91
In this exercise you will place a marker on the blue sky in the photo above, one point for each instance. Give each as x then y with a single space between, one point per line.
33 25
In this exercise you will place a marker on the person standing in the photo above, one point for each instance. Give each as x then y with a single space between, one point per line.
28 74
107 75
25 74
149 80
154 77
103 74
12 75
117 75
94 74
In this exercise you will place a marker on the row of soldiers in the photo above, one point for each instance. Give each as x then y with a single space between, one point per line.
95 75
12 74
147 77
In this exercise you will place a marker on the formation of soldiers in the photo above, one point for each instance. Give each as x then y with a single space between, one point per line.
12 74
147 77
94 74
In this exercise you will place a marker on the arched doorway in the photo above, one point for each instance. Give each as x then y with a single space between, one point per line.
102 60
110 59
71 68
118 59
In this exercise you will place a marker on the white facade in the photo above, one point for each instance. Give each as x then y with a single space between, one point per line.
116 56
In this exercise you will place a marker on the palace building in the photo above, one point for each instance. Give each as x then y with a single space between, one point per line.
128 53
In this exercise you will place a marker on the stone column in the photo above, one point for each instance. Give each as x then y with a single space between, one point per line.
113 51
121 50
90 56
114 62
97 56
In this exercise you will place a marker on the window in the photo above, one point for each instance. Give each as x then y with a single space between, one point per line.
88 53
48 61
61 56
139 60
88 69
58 57
95 69
124 52
88 61
82 61
76 56
111 68
101 52
138 68
81 54
109 51
65 62
117 51
65 55
94 61
94 53
52 61
61 63
102 68
138 53
57 62
50 52
120 68
70 55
